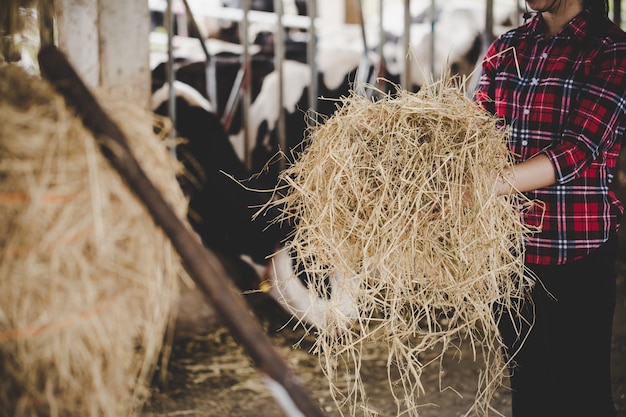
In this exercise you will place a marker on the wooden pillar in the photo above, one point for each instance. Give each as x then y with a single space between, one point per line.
107 41
124 29
78 38
353 11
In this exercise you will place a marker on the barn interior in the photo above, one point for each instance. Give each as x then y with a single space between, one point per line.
189 311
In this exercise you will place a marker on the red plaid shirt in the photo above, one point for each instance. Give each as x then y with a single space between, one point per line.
569 103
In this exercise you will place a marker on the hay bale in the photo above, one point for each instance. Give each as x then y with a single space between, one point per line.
87 280
395 195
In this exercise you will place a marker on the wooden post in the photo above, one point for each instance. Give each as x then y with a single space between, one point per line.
108 43
79 39
124 35
352 8
405 76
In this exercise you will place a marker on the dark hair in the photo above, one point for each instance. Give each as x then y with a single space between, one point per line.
599 8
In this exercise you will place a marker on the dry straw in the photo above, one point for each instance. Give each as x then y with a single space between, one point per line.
87 280
395 195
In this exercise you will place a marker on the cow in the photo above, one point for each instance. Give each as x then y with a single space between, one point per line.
337 70
224 202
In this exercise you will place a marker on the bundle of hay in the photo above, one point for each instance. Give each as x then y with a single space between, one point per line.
395 196
86 278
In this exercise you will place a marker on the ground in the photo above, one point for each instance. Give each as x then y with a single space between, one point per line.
209 375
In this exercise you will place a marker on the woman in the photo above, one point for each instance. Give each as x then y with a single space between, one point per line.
559 82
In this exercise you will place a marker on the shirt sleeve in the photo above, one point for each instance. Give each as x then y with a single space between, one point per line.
596 118
486 88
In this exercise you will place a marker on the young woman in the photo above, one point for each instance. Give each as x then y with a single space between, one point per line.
559 82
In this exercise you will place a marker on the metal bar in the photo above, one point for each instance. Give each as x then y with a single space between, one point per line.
433 20
255 16
405 77
210 70
279 56
247 74
362 24
489 22
381 30
380 70
233 99
311 53
171 76
364 64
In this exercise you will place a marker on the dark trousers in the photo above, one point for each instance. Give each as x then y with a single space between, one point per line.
563 364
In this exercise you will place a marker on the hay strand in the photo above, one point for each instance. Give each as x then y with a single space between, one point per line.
395 196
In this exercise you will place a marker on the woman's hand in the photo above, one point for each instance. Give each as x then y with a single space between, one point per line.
534 173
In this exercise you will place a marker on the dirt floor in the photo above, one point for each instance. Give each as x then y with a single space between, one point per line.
210 375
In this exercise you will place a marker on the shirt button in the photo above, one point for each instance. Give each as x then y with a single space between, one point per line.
544 55
526 111
534 81
524 142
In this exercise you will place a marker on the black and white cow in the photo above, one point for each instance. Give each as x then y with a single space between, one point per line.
224 197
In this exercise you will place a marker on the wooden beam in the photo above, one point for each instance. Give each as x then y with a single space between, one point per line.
107 41
124 33
353 14
79 37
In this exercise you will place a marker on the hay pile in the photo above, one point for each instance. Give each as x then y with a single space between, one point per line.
87 280
396 197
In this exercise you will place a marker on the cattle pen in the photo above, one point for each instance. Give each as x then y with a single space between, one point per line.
255 75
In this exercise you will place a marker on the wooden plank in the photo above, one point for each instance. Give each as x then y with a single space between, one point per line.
107 41
78 37
352 11
124 33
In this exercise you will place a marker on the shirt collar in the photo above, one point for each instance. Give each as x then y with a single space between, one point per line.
577 28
